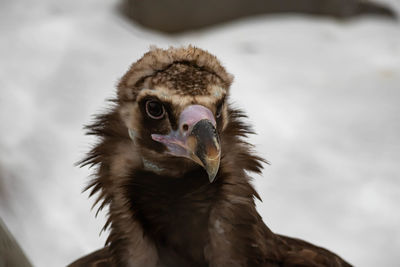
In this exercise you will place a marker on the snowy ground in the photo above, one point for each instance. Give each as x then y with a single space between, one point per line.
323 96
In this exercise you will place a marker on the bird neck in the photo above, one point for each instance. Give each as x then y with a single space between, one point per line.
151 166
174 212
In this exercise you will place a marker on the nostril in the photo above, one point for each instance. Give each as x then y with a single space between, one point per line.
185 127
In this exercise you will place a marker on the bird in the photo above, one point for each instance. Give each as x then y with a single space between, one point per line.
173 166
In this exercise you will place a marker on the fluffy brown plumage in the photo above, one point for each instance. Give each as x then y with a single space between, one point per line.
163 209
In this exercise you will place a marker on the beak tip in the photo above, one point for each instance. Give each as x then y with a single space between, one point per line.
212 172
211 177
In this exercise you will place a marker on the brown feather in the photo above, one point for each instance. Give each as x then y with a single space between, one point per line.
99 258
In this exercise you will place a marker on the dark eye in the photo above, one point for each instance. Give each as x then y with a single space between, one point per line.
155 109
219 110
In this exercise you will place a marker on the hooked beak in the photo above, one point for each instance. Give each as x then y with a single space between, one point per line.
196 139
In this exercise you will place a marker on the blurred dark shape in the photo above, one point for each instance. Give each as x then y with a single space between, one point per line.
10 252
181 15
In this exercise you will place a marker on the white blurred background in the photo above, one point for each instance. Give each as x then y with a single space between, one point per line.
323 95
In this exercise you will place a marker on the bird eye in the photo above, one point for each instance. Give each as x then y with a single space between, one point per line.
219 111
155 109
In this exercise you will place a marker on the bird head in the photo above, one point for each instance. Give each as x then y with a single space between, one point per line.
173 105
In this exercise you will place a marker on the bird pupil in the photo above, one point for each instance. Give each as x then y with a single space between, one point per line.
155 108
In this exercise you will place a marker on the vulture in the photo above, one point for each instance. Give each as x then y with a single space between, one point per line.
173 166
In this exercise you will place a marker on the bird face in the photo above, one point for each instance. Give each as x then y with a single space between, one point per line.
195 138
176 120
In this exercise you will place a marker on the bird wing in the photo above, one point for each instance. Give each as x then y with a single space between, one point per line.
99 258
297 252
